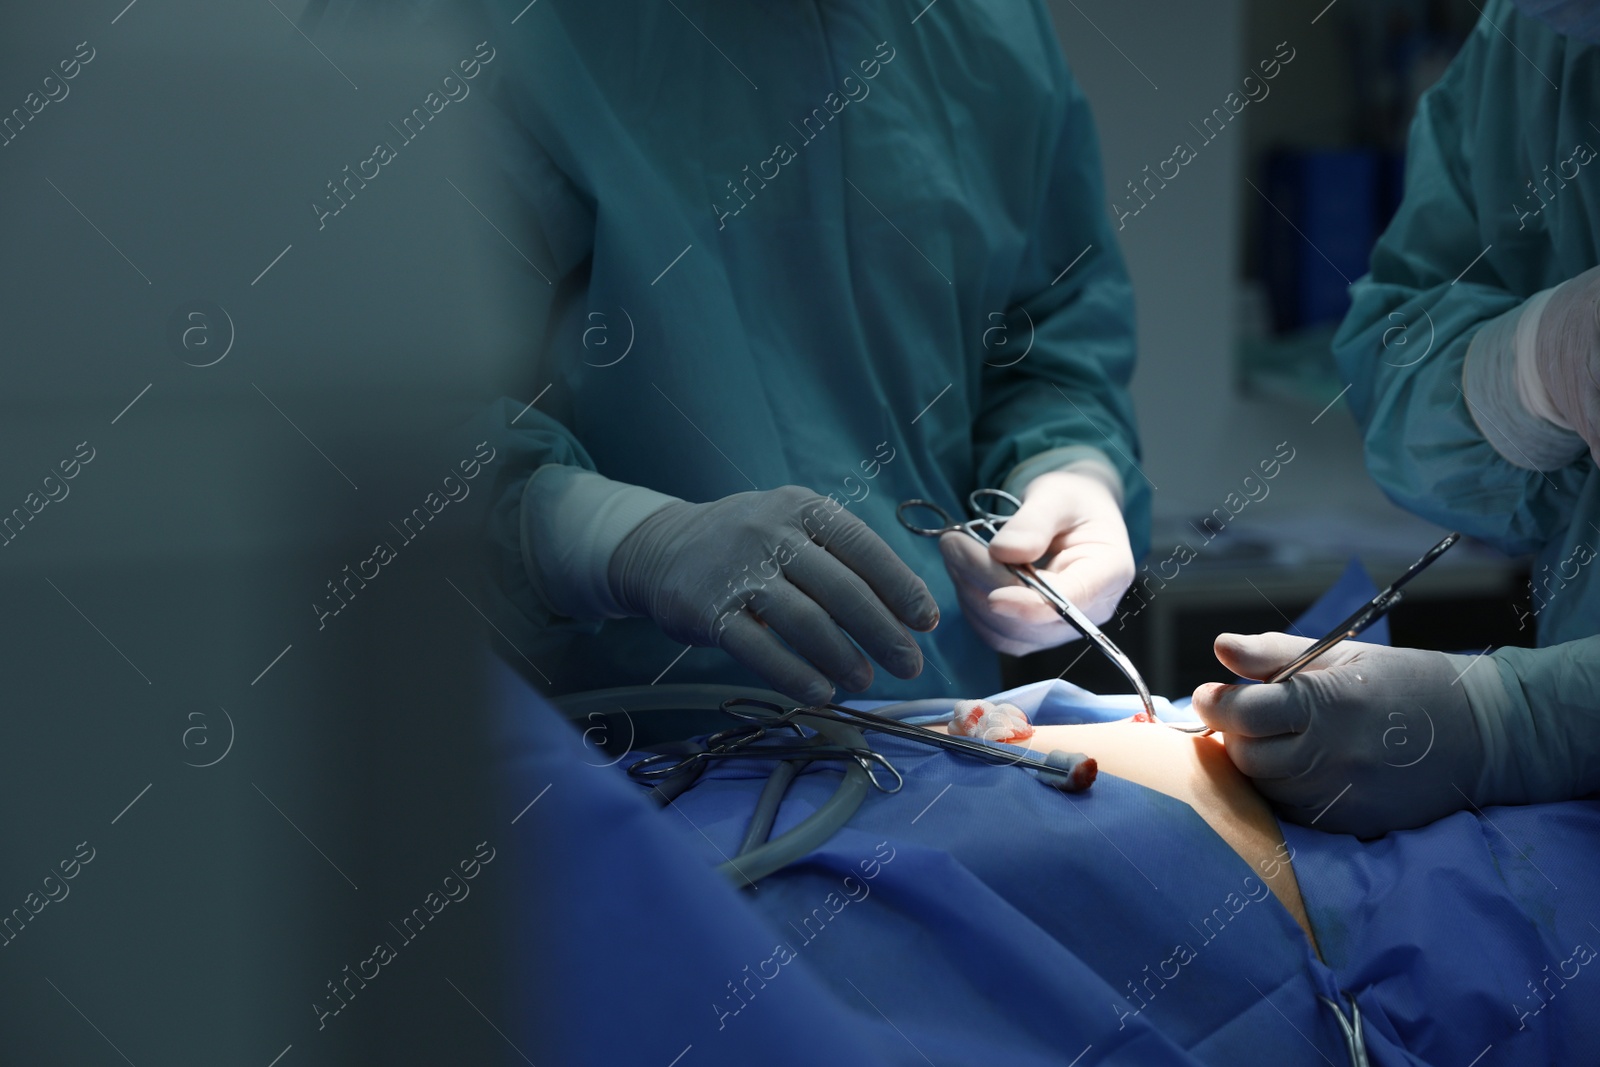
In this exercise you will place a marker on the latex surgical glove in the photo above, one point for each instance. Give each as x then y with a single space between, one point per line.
1370 739
1070 527
1532 376
782 581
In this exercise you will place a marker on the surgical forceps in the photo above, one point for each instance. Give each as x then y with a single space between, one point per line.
739 742
1067 771
986 522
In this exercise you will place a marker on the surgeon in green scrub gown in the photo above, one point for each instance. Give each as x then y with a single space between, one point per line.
1473 352
790 264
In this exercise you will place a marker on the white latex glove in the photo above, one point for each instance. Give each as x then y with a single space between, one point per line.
1070 527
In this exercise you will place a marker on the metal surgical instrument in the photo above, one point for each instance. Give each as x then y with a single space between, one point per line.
1060 769
982 529
739 742
1369 613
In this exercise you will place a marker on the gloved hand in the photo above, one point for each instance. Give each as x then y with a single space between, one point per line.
744 571
1365 740
1370 739
1070 527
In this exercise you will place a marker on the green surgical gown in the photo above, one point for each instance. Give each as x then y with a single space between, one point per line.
1502 200
858 247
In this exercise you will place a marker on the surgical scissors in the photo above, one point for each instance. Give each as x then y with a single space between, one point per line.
989 522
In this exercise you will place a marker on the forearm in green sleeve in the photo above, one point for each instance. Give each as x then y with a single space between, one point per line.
1434 442
1437 288
1544 743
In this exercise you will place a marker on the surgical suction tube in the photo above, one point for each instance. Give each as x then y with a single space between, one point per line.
652 702
750 867
767 804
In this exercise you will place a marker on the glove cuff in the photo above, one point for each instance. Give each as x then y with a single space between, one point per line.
1548 730
1507 399
1531 389
1496 716
1076 459
572 522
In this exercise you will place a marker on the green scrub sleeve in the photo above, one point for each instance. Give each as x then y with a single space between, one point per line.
1434 283
543 229
1547 745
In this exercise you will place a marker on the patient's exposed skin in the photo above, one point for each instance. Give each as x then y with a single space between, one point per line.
1197 771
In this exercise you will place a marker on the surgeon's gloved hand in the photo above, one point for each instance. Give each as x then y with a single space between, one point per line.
754 571
1070 527
1367 739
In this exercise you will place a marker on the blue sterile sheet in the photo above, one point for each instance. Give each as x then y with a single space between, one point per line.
980 917
1475 933
975 917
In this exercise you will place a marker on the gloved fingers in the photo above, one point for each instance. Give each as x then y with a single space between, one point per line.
999 633
978 579
751 643
1258 710
853 543
1022 605
1028 535
845 603
1267 760
811 631
1260 656
971 565
1058 506
1092 575
1010 617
